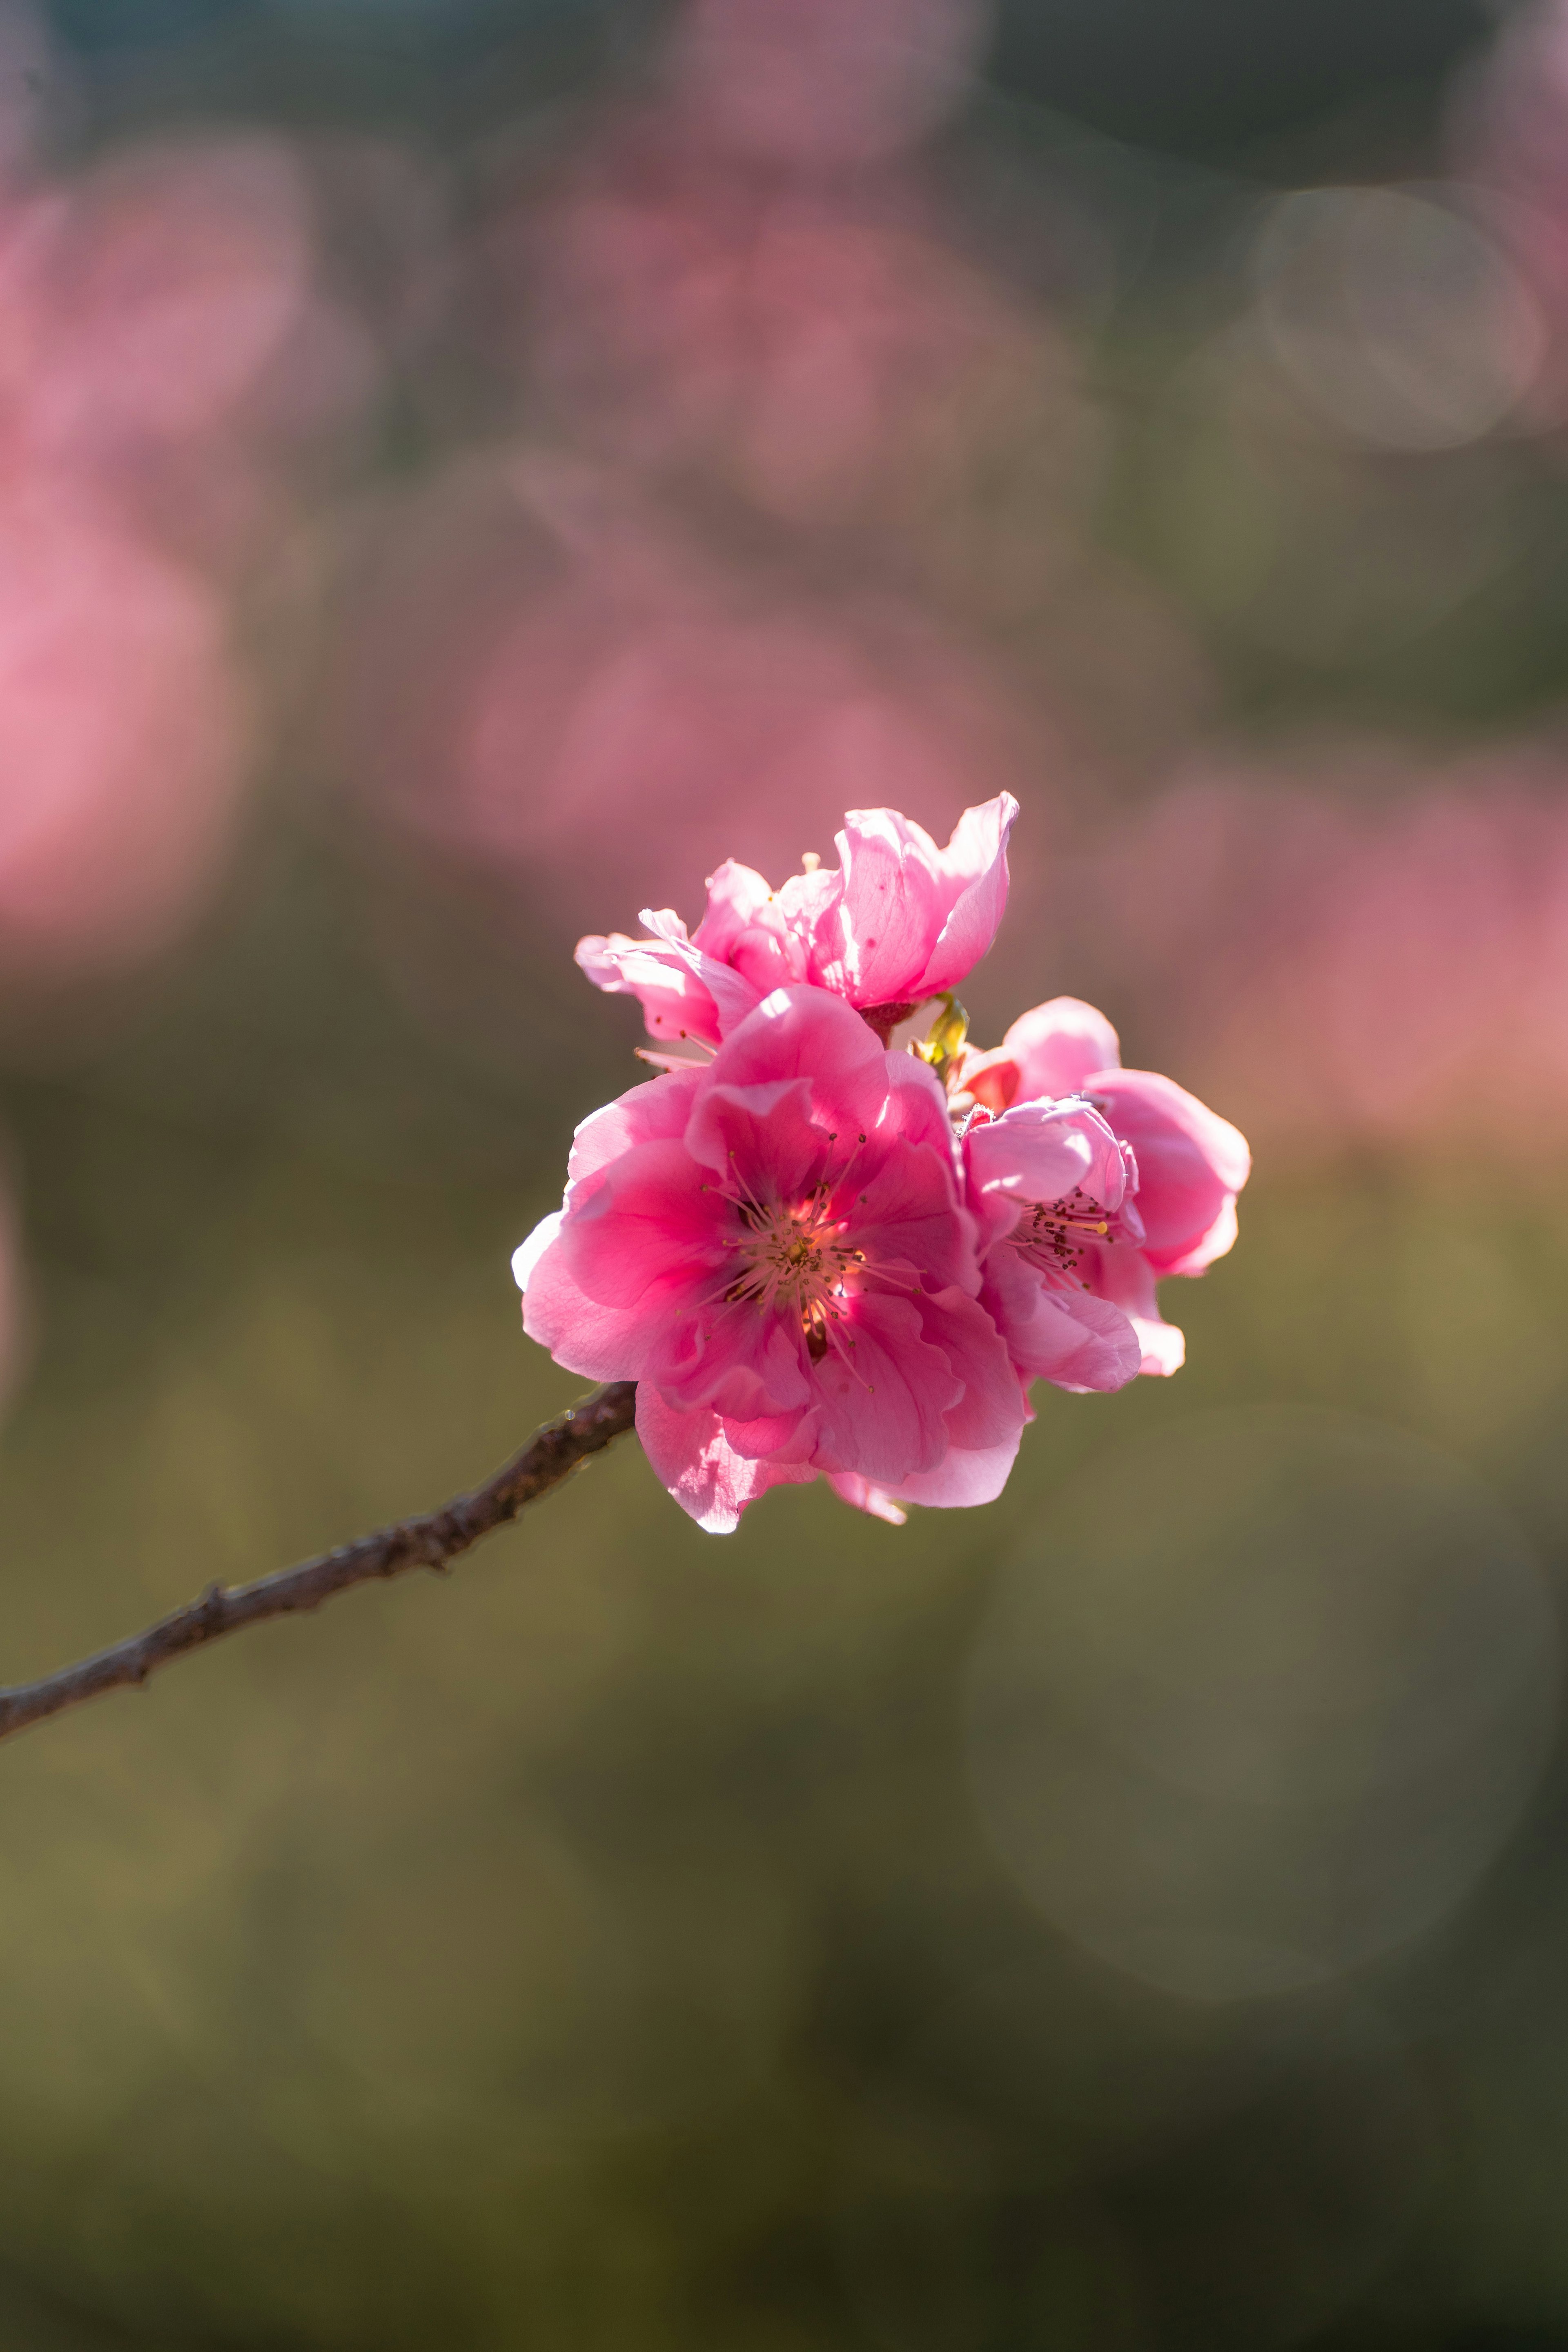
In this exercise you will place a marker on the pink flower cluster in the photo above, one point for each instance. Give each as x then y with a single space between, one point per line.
821 1250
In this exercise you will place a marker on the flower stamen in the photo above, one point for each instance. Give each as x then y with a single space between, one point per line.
796 1260
1054 1234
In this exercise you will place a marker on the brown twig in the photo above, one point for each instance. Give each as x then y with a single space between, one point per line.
433 1541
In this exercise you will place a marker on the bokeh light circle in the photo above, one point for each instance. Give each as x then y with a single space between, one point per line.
1397 320
1260 1699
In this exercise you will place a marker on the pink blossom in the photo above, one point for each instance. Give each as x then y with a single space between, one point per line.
774 1247
898 921
1049 1182
1074 1258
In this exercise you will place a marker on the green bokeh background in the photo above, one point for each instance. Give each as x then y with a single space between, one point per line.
605 1951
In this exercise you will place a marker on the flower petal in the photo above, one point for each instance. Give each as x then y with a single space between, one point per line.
976 858
1048 1051
892 907
642 1246
761 1137
1069 1337
1045 1151
737 1359
799 1032
881 1404
527 1255
1125 1279
990 1413
732 993
651 1112
916 1105
689 1452
908 1214
1190 1166
674 1000
965 1476
748 927
913 918
861 1495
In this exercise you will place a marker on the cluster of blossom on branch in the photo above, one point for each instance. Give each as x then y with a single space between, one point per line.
831 1238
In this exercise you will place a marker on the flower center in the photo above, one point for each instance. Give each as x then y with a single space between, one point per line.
1054 1234
796 1259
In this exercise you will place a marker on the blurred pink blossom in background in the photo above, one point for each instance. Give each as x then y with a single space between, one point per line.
163 347
1354 952
817 84
739 300
822 352
511 701
749 279
591 718
1510 137
163 337
122 741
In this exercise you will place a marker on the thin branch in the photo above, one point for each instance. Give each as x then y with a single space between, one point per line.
433 1541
